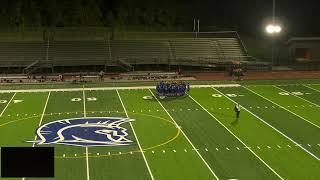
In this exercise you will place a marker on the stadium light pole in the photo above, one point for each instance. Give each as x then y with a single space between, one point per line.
273 29
196 22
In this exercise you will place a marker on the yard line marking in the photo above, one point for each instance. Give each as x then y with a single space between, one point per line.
311 88
42 115
294 142
281 106
43 111
7 104
185 136
85 114
234 134
135 135
297 96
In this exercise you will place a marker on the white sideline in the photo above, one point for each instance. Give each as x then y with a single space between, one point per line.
282 107
236 137
8 104
297 144
185 136
87 150
297 96
108 88
135 135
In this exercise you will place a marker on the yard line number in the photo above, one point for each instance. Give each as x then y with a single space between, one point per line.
80 99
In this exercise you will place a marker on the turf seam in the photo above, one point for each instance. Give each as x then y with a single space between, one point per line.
236 137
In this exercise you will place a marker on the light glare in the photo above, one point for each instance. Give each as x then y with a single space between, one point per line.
271 29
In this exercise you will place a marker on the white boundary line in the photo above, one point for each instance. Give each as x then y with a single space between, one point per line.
185 135
108 88
297 144
296 96
281 107
135 135
7 104
85 115
236 137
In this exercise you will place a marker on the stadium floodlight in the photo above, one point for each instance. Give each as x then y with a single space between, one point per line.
277 29
273 29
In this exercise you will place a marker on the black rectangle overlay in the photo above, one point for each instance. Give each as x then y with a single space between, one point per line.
27 162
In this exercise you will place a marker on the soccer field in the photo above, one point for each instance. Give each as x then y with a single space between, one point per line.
194 137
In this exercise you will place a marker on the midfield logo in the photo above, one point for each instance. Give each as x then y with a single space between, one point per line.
86 132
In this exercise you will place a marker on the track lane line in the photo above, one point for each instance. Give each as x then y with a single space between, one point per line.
297 144
135 135
236 137
185 136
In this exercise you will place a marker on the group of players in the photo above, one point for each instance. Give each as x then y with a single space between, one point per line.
175 89
172 89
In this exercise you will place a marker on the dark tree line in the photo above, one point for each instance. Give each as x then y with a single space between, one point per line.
84 13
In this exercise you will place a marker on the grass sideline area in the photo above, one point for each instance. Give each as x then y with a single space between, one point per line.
193 137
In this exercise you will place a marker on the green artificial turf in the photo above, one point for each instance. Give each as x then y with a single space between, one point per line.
192 137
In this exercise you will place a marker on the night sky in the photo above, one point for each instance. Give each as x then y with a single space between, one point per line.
299 18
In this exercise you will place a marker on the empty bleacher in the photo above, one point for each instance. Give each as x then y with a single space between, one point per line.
78 53
178 51
230 48
140 51
21 54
